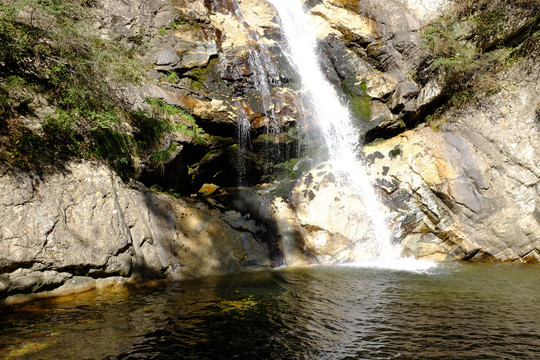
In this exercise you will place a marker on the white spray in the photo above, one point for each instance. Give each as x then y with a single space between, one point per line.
333 118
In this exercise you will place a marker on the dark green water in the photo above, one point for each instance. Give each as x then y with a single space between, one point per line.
450 312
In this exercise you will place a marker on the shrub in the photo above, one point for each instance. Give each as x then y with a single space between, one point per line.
160 158
25 148
114 147
161 108
59 132
173 77
150 130
56 53
466 46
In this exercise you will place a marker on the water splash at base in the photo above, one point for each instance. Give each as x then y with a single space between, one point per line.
399 263
336 124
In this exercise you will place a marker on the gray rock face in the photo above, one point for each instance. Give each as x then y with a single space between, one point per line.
470 192
84 221
377 42
134 19
180 51
57 229
504 133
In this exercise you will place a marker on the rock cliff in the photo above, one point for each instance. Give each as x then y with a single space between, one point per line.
73 229
457 184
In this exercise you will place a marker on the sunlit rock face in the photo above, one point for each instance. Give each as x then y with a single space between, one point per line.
427 10
336 225
68 230
333 218
222 61
505 136
461 201
468 192
421 174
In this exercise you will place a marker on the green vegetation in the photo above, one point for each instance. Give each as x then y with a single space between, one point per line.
173 193
116 148
289 169
184 21
26 148
178 24
150 130
52 56
173 77
189 128
160 106
170 192
470 44
60 132
198 75
239 308
359 100
160 158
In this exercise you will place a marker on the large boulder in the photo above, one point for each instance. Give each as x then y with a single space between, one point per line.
78 225
334 218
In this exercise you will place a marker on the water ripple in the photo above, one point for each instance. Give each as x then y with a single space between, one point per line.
450 312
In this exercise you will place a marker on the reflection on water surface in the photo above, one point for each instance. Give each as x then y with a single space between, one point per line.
452 311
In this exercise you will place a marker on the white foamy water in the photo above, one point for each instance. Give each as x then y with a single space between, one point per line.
335 123
398 263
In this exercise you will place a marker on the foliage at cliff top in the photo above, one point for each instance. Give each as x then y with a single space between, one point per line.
52 58
477 39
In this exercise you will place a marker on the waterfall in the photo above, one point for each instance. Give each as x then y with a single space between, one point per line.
264 74
334 120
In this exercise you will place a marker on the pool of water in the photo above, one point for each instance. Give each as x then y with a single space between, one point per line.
448 312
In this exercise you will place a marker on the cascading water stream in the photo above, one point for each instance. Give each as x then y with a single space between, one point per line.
335 123
265 72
